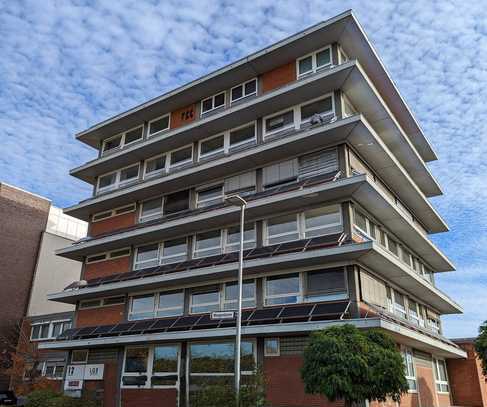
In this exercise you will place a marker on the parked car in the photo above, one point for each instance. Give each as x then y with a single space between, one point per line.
7 398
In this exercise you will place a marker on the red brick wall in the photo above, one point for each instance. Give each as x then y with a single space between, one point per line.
279 77
108 225
23 219
468 386
106 268
113 314
444 400
149 398
285 387
183 116
108 385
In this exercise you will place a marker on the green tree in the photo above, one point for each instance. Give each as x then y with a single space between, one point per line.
481 346
345 363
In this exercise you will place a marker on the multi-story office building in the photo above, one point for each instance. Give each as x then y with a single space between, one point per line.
314 135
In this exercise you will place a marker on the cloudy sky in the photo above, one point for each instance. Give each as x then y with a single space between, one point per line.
67 65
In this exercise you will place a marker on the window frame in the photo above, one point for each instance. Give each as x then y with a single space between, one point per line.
117 184
440 384
207 188
122 136
213 108
195 252
314 66
225 301
79 362
113 212
410 374
155 309
244 96
201 290
170 166
50 329
273 354
309 102
148 218
154 174
108 255
298 294
102 302
220 151
160 249
149 134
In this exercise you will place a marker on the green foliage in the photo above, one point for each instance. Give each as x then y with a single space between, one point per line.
50 398
346 363
481 346
211 394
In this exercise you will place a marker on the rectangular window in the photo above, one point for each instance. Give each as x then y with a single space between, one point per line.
59 327
165 366
322 107
279 122
410 372
393 247
112 143
281 173
230 295
151 209
96 258
282 289
317 163
212 146
322 221
146 256
54 370
121 140
181 157
107 182
40 331
282 229
271 347
325 285
129 174
399 305
136 360
170 304
155 166
210 196
176 202
142 307
441 377
205 301
244 90
414 316
406 256
79 356
232 241
132 136
360 221
314 62
158 125
241 136
174 251
208 243
212 103
90 304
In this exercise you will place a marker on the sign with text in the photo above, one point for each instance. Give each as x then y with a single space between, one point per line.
94 372
70 384
75 372
223 315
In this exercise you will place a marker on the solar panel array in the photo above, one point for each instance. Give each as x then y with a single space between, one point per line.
217 260
272 315
311 181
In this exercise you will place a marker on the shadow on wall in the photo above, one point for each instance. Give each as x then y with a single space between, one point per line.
426 396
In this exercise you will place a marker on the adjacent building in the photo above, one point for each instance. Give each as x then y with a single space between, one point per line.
315 136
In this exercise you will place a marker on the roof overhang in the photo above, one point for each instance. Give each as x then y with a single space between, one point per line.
353 130
343 29
390 268
360 188
401 334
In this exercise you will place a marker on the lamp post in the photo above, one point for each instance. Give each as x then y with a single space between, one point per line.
237 200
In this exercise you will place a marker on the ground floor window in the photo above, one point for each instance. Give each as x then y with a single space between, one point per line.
410 371
441 377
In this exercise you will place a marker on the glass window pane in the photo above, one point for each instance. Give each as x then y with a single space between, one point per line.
305 65
205 301
36 330
210 196
212 146
155 164
282 289
219 100
280 121
212 357
113 143
208 243
182 156
323 58
44 331
107 180
174 250
176 202
57 329
151 209
170 304
165 359
271 346
133 135
233 237
136 360
393 247
130 173
159 125
318 107
282 229
248 291
251 87
360 221
321 220
323 282
207 105
242 135
147 256
143 306
237 92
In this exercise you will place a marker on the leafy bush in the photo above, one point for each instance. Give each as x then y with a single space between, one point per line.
481 346
50 398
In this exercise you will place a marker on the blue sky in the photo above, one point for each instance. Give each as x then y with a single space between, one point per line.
69 64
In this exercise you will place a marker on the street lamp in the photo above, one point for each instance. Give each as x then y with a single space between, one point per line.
237 200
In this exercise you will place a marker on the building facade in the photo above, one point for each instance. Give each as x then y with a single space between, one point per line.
314 135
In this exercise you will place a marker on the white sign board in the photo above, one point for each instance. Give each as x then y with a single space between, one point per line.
73 384
222 315
94 372
75 372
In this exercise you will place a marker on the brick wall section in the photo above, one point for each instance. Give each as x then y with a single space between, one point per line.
183 116
279 77
285 387
23 218
467 382
113 314
149 398
111 224
426 386
106 268
105 389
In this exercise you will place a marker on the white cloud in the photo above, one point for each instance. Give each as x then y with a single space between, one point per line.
67 65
